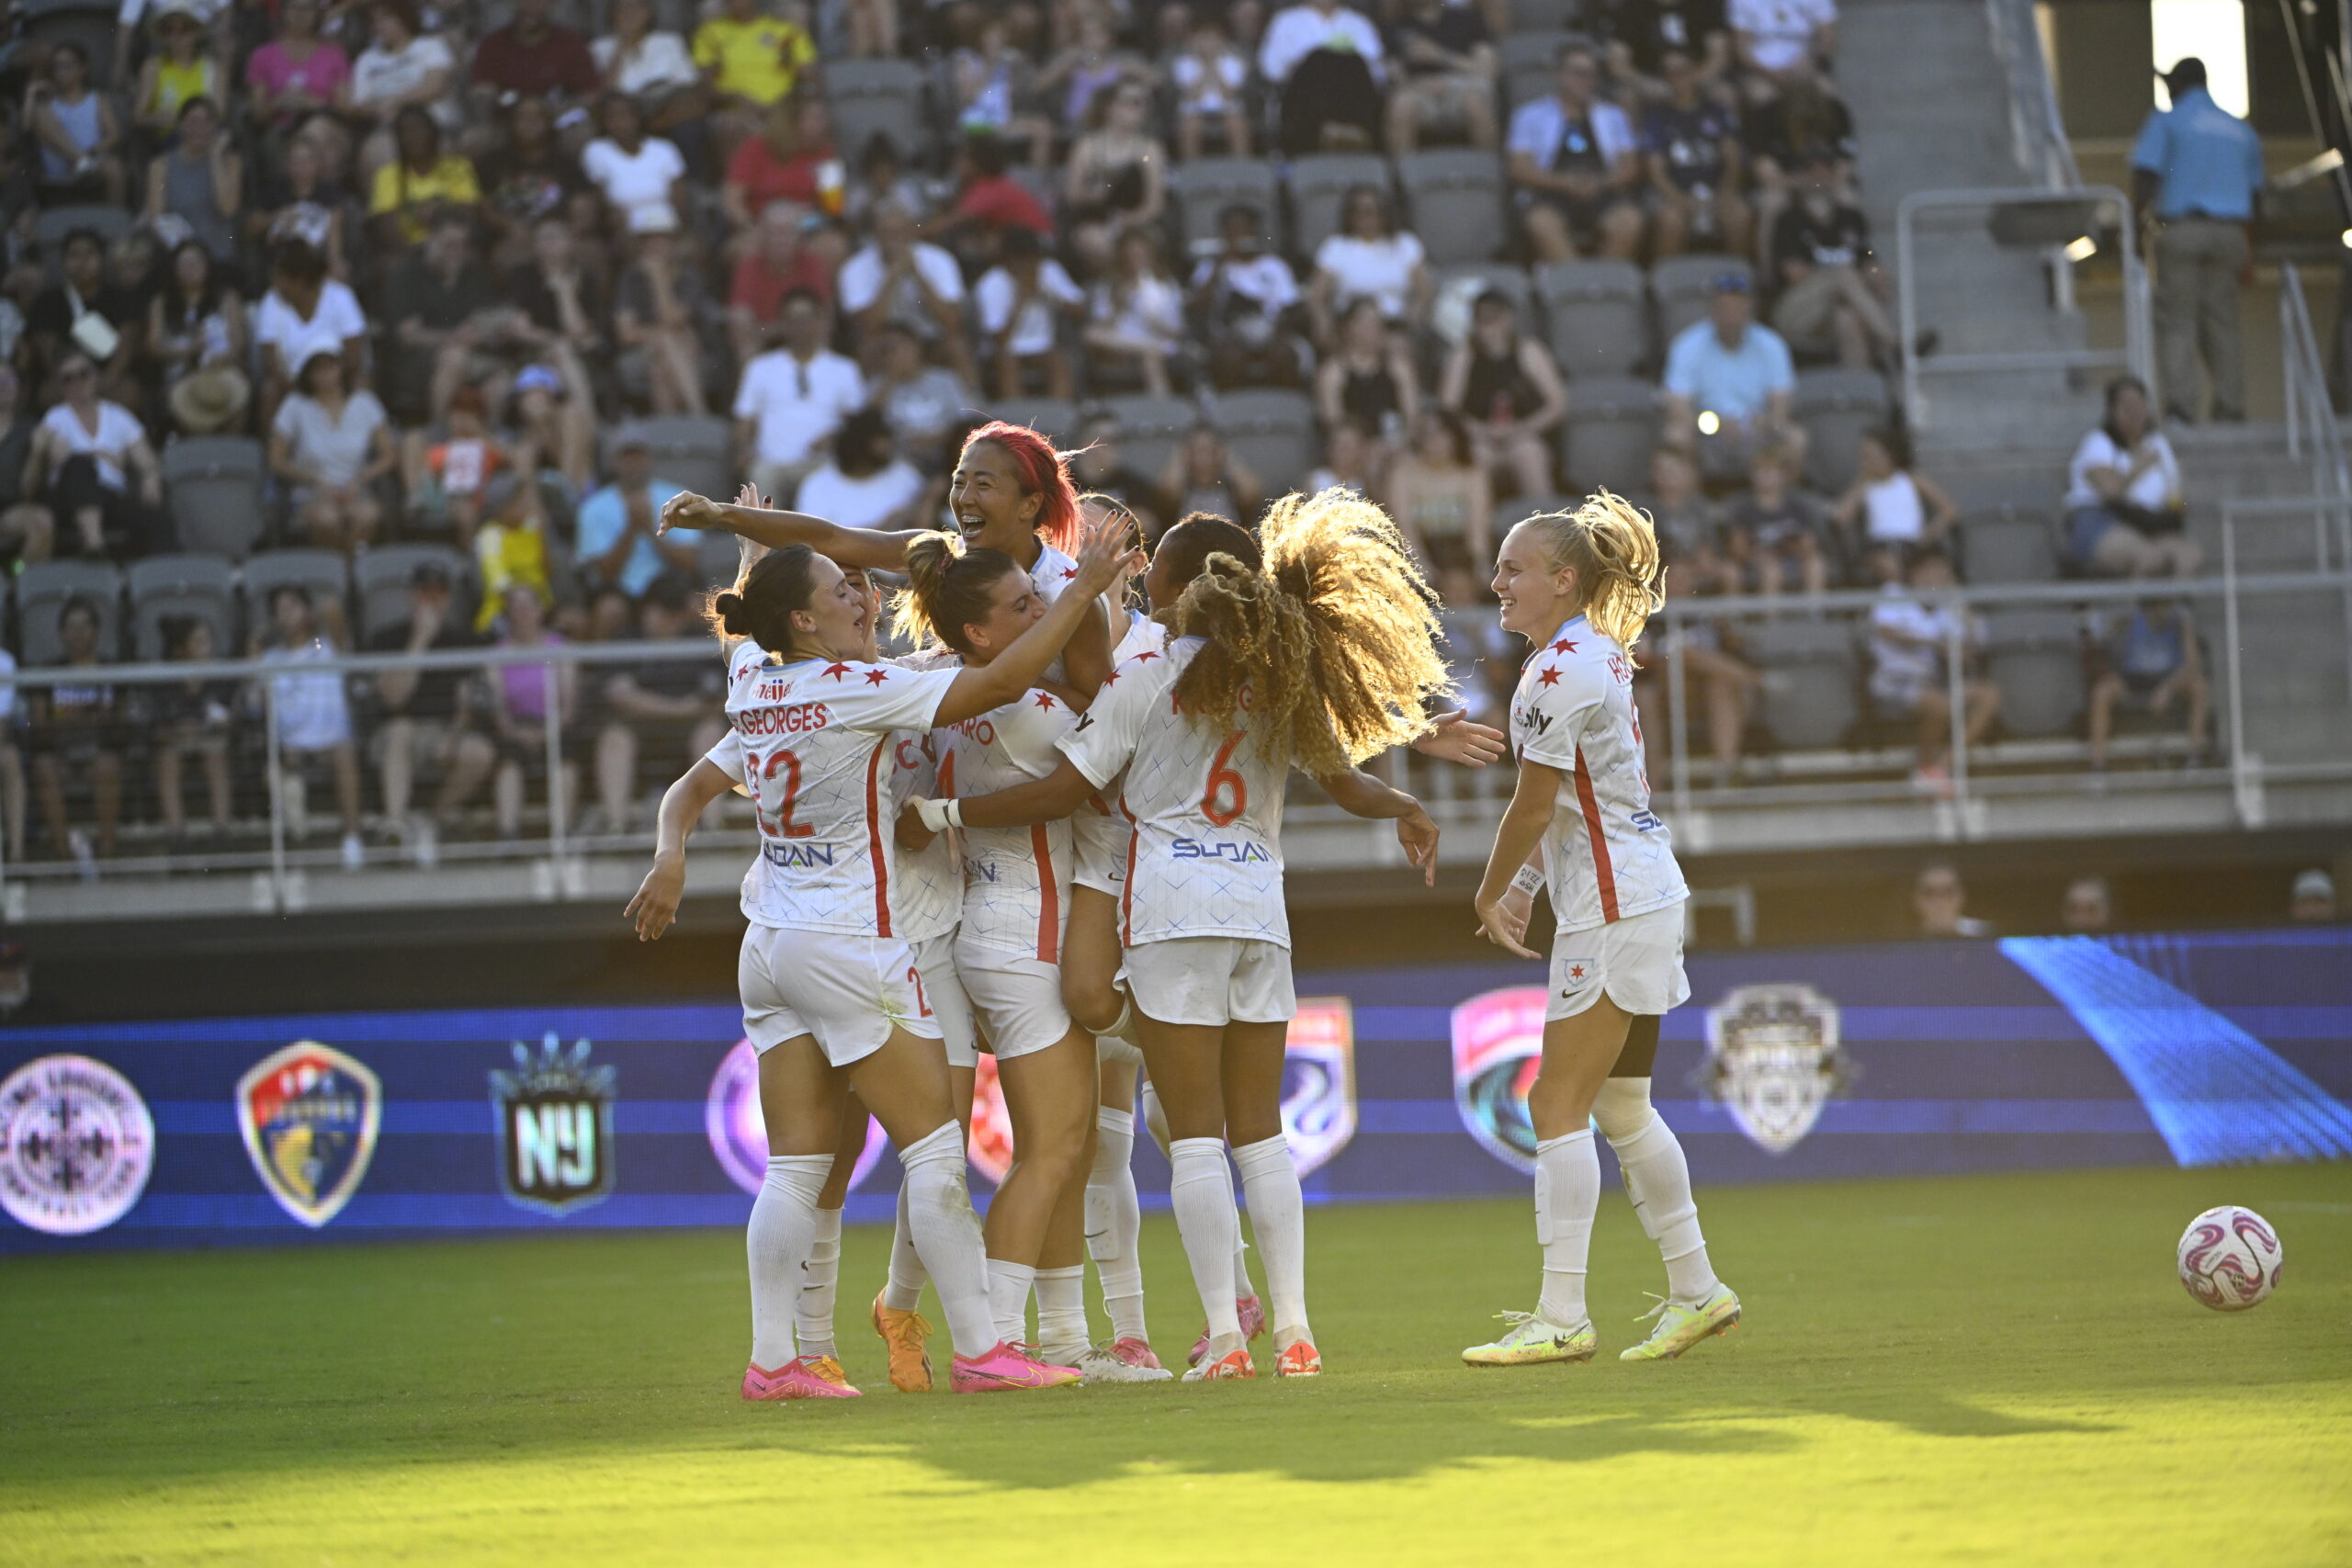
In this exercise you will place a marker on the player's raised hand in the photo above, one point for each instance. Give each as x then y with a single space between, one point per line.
1417 832
1106 554
655 903
1456 738
687 510
749 496
1497 926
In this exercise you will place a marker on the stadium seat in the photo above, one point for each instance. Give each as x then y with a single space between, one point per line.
1836 407
90 23
695 452
1524 59
1543 15
1454 200
109 223
889 96
181 586
1319 183
1977 490
1612 428
1594 308
1272 432
2007 544
1817 698
1510 514
213 484
1683 285
42 592
1150 428
1469 279
381 578
1204 189
324 574
2035 657
1055 417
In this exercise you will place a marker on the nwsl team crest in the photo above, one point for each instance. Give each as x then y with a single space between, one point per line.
308 1115
739 1134
1773 1060
1319 1082
76 1146
555 1128
1498 1049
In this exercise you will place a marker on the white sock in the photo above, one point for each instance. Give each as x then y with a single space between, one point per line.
812 1310
1658 1178
1155 1118
1061 1315
1278 1215
1008 1285
939 1212
1567 1192
907 1276
1200 1191
1242 1289
784 1225
1115 1222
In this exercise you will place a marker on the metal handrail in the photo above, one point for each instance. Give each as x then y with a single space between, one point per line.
2037 130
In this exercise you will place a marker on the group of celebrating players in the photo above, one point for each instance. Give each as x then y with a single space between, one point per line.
1054 832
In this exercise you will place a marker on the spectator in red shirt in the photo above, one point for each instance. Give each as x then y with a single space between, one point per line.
531 56
988 202
792 159
780 260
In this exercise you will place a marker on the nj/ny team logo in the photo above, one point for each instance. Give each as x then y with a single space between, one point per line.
308 1115
1319 1082
1498 1049
738 1132
76 1146
555 1128
1774 1061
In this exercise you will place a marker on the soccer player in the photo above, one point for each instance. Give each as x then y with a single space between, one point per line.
1318 660
1580 585
833 997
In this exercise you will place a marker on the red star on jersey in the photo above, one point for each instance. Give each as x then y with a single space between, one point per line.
1069 572
1564 646
1112 679
1145 658
836 670
1549 676
1576 971
875 677
1045 700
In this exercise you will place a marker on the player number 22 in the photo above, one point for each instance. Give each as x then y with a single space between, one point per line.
781 825
1224 780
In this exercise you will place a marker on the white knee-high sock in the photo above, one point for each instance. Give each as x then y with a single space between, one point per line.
1658 1178
1200 1191
1155 1117
1061 1315
947 1233
907 1276
1567 1192
1278 1215
783 1225
1115 1222
812 1310
1009 1286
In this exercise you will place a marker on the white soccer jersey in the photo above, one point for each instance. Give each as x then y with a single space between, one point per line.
928 899
1016 880
813 740
1206 857
1606 855
1103 834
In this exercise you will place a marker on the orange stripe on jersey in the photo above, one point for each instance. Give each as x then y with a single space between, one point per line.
1127 889
1603 872
1049 898
874 838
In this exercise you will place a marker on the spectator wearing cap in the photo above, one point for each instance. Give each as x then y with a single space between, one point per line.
1729 383
2312 902
1940 900
2086 909
660 311
330 442
2195 168
671 708
451 326
531 56
617 543
1024 303
177 70
1324 61
897 277
1832 292
430 723
642 178
792 399
1576 167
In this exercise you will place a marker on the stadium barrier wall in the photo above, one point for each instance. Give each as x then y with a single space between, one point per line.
1409 1083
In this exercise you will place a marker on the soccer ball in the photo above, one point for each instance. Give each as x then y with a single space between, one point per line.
2230 1259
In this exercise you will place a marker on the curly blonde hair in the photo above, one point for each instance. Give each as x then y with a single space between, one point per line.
1335 638
1613 545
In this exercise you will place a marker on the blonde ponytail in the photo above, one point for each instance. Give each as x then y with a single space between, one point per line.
948 588
1613 547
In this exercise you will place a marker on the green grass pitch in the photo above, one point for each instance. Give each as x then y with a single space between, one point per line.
1993 1370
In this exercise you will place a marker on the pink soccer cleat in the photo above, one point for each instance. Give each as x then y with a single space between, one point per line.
1006 1366
801 1378
1252 1312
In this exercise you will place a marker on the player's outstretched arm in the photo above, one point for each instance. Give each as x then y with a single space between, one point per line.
1048 799
1454 738
775 530
655 903
1360 795
1519 836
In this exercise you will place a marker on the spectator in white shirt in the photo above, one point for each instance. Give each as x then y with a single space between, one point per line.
1781 37
793 399
2123 498
85 456
1023 300
868 484
1138 320
1576 167
313 711
897 277
304 311
1325 59
642 177
403 65
1911 639
1368 258
1246 300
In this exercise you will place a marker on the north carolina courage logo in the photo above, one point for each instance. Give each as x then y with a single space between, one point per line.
555 1128
1319 1082
76 1146
308 1115
1774 1061
1498 1049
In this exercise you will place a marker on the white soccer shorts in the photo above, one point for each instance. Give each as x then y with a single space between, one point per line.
1637 962
1211 980
943 996
846 992
1018 999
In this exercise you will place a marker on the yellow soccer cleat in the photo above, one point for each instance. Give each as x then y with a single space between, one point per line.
903 1333
830 1369
1680 1327
1530 1340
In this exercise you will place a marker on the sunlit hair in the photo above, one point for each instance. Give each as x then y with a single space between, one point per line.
1334 636
760 603
949 587
1613 547
1044 472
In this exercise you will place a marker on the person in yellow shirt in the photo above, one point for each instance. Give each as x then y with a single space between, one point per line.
421 178
751 57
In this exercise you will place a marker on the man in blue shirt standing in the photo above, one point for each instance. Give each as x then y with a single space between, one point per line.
2195 168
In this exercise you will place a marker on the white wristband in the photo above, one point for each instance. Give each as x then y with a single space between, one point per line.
1529 881
939 815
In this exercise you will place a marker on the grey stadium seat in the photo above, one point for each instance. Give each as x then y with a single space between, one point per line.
886 95
1204 189
90 23
2007 544
1319 183
1272 432
1476 278
1455 199
109 223
1055 418
1683 285
1597 324
1612 428
698 452
324 575
1151 428
1816 698
42 590
1976 491
1836 407
382 579
1542 15
1524 59
2035 656
213 484
163 588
